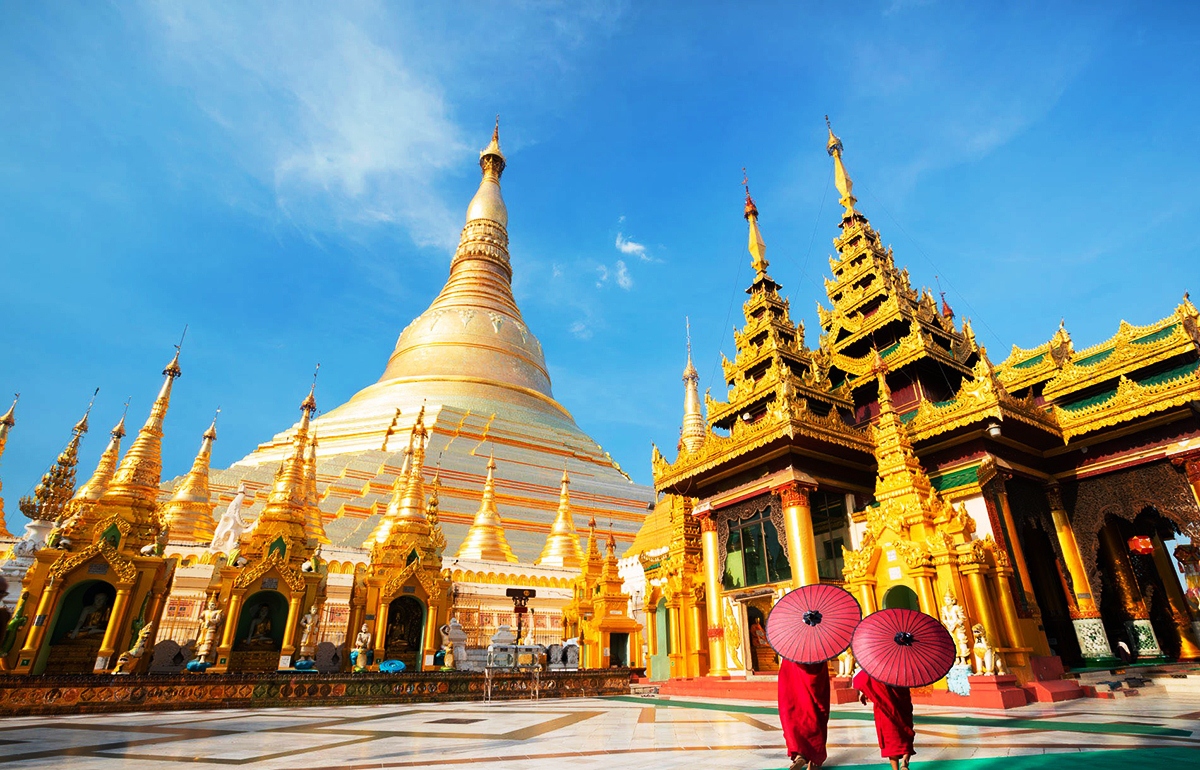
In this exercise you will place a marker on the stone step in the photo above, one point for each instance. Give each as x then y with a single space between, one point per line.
644 690
1178 684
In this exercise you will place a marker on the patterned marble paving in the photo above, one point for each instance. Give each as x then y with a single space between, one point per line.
626 732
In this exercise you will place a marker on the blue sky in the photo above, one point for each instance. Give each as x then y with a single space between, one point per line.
290 181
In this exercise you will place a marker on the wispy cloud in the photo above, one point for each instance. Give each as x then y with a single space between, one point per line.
338 125
624 279
627 246
580 330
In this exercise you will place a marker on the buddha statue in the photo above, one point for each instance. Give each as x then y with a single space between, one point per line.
260 628
93 619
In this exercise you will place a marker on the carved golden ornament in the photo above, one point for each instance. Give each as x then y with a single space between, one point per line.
972 552
915 555
124 568
997 552
707 524
273 560
1190 465
794 495
733 633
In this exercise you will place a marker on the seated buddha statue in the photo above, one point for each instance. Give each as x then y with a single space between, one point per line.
93 619
260 628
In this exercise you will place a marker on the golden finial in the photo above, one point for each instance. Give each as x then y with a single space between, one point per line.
689 371
841 179
309 404
758 248
491 159
81 427
751 210
118 431
10 419
211 433
879 368
57 486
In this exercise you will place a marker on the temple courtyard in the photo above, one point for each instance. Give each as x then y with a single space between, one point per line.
1152 730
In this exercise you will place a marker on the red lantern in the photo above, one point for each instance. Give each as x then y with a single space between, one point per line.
1141 544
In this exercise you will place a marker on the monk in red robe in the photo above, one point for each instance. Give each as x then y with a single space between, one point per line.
893 717
804 711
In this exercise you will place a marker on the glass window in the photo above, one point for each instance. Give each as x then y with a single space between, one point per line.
753 554
830 532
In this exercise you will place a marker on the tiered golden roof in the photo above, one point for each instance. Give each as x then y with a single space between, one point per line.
189 513
876 309
777 387
485 541
562 545
52 493
7 421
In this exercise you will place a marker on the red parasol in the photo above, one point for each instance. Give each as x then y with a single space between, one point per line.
813 623
903 648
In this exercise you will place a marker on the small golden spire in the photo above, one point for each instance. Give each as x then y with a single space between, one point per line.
885 394
284 516
189 512
93 489
57 486
840 178
488 203
693 431
314 524
140 472
485 541
6 422
758 248
562 545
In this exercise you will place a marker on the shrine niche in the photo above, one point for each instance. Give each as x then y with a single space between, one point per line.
260 631
406 618
79 628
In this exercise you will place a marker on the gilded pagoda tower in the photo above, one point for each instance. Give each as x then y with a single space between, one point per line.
100 584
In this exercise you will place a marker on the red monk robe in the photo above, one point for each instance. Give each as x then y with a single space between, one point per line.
893 715
804 709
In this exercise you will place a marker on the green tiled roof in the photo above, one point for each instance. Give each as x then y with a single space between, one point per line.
1030 361
888 350
1094 358
955 478
1156 379
1156 336
906 418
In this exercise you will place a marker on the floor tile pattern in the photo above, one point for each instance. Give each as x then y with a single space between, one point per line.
601 733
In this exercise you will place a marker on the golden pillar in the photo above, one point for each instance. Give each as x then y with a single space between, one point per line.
1008 608
798 531
34 640
981 603
696 643
712 598
381 620
926 597
866 597
289 632
1014 542
1179 607
1074 559
1116 556
652 630
431 626
116 620
235 607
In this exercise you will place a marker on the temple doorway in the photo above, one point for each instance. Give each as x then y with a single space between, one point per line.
78 631
660 661
259 636
901 597
618 650
762 658
405 627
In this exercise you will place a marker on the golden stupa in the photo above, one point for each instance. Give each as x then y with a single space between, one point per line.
480 377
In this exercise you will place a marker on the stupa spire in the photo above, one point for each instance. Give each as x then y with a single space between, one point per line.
485 540
283 519
57 486
314 525
189 512
93 489
562 545
693 420
7 420
138 476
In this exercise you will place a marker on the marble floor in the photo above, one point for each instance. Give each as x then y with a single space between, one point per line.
622 732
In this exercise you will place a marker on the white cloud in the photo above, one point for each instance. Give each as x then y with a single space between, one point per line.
340 126
627 246
624 279
602 272
580 330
